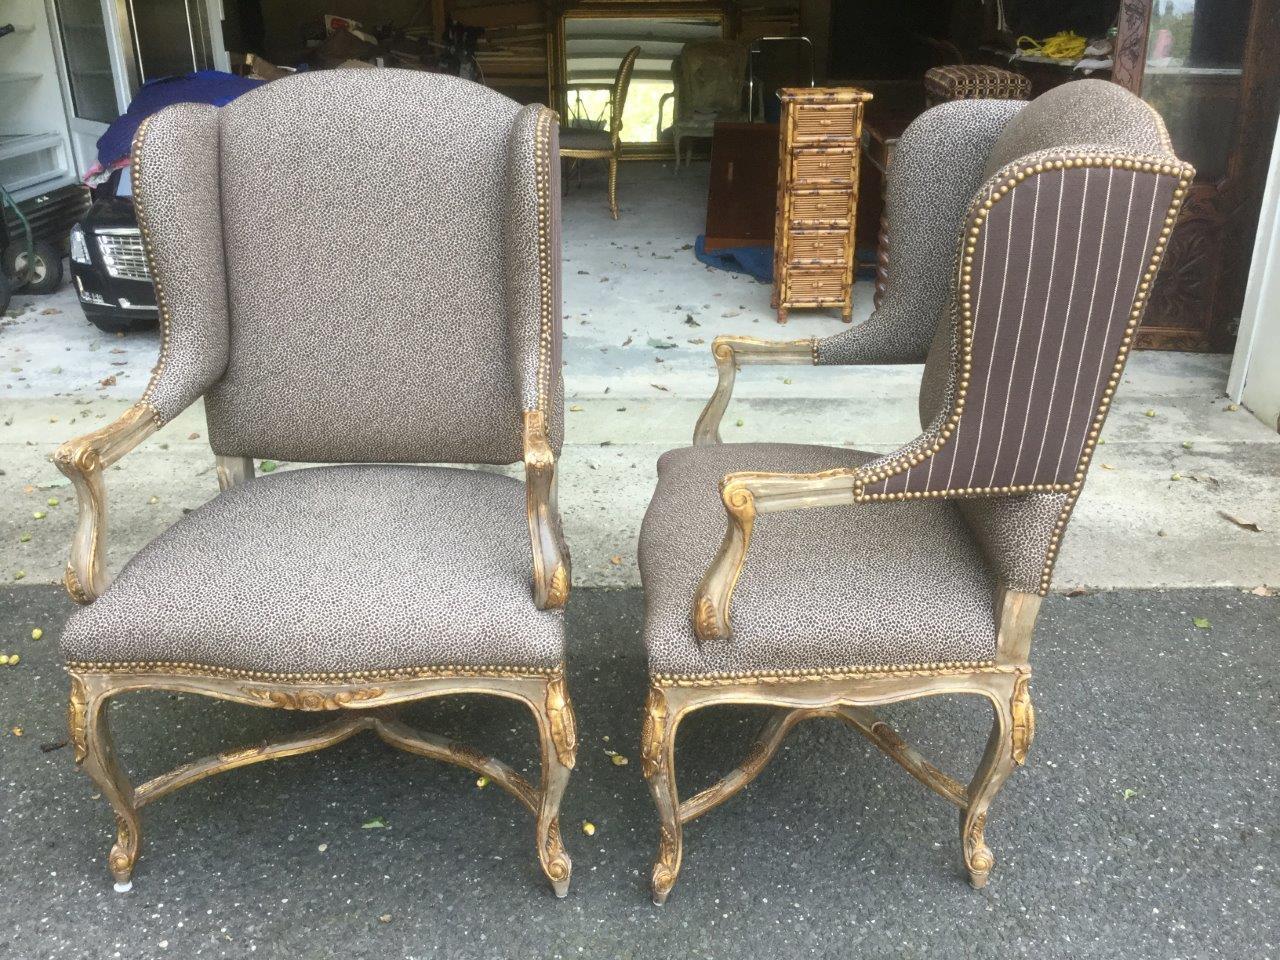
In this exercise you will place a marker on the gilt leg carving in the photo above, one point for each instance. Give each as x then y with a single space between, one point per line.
558 729
95 752
997 764
658 763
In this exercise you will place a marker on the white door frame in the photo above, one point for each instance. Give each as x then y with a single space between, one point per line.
1255 368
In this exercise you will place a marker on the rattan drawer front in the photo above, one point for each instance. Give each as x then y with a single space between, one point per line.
820 122
820 285
811 167
827 247
832 207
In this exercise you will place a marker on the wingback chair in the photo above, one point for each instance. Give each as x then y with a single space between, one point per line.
419 324
581 144
824 581
707 82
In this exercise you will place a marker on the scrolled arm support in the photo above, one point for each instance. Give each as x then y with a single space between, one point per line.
83 461
550 555
732 352
745 496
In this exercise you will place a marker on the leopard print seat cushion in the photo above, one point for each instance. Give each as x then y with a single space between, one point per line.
333 570
827 589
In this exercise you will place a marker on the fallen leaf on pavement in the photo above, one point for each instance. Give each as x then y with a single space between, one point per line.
1202 623
1263 591
1242 524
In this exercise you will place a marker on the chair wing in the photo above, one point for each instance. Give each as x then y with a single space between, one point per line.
1057 262
925 213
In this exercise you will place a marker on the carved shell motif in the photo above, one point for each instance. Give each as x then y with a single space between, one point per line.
311 699
564 728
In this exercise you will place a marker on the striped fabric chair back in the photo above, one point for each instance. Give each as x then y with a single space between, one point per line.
1054 268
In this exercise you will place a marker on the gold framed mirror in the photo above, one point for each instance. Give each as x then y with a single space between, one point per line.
591 41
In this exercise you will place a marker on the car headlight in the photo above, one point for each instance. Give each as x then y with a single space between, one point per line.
79 248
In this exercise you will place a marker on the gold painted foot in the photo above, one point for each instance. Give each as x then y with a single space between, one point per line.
94 751
559 732
658 763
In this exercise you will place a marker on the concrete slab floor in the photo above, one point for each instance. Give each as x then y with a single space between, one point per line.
1142 826
637 373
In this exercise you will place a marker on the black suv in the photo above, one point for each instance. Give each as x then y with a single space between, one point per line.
108 265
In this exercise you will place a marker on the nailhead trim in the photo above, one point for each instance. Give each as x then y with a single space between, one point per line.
189 669
162 304
542 173
935 668
977 214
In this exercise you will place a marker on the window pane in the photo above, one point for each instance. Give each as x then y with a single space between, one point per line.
84 45
1194 57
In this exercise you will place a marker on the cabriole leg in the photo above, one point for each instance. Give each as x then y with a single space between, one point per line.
994 769
95 753
658 763
558 729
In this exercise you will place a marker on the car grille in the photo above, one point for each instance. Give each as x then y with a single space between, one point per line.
123 255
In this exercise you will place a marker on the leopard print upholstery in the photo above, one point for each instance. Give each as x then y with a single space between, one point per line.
925 212
1083 113
332 570
183 228
827 589
373 285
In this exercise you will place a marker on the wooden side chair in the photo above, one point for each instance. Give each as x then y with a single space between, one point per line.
826 581
708 77
580 144
421 324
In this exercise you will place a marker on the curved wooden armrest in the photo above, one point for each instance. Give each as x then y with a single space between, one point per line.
83 460
744 496
731 353
550 555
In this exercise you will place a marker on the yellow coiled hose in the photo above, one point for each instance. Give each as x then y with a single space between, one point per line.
1066 45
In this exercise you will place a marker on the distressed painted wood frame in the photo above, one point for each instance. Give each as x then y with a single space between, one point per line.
364 702
368 700
852 695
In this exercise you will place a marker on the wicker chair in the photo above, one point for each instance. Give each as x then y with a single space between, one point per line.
397 333
973 81
581 144
872 579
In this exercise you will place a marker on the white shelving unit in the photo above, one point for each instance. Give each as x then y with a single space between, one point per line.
35 143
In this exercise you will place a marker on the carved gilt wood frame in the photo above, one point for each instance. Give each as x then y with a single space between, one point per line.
364 701
851 695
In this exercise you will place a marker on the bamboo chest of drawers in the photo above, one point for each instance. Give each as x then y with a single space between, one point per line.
813 255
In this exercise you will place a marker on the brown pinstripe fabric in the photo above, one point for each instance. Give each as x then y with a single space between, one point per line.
1056 268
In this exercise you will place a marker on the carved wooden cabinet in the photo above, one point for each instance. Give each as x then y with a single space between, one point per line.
813 250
